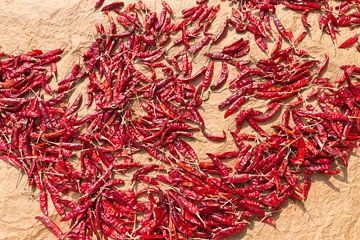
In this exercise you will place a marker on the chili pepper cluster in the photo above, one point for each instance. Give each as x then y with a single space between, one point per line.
144 101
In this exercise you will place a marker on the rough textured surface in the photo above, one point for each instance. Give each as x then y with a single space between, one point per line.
332 210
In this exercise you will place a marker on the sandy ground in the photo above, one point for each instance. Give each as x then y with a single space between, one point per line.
332 210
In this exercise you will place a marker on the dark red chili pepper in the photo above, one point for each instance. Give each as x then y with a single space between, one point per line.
98 3
232 98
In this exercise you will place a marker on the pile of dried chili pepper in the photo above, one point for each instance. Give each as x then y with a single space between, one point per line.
144 102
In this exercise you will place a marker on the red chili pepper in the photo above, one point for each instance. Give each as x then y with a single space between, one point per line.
221 32
235 106
281 29
273 109
236 46
218 56
304 6
75 106
261 43
110 232
144 170
205 83
232 98
350 41
51 226
112 6
226 232
167 7
256 127
200 45
54 194
222 78
239 178
43 136
98 3
197 14
323 66
43 203
220 165
300 38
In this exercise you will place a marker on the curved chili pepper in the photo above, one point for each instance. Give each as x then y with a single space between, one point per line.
235 106
112 6
226 232
222 78
287 35
51 226
273 109
221 32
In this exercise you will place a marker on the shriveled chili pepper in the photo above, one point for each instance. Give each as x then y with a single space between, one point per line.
205 83
222 78
281 29
235 106
51 226
221 32
226 232
200 45
218 56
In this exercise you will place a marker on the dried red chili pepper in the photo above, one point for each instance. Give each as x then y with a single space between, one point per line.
350 41
226 232
51 226
222 78
43 136
112 6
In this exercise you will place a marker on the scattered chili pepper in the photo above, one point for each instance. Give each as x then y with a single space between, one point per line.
222 78
112 6
191 198
350 41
